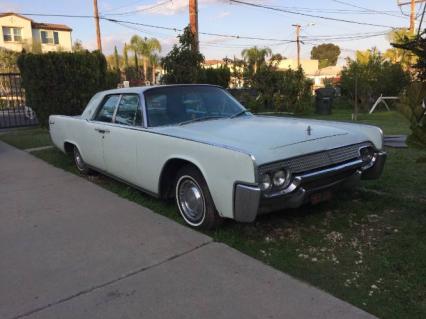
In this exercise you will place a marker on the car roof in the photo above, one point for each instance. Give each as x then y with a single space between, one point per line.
141 89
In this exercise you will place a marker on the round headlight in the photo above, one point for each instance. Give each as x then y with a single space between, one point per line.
279 178
265 182
367 154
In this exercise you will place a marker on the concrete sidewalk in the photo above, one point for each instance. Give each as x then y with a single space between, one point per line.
70 249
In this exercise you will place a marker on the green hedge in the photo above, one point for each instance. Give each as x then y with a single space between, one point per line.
63 82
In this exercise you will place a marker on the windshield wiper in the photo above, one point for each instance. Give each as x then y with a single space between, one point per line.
205 118
238 114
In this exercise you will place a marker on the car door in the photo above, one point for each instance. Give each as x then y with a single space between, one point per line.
120 144
96 131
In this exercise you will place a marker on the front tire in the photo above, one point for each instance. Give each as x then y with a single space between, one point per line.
79 163
194 201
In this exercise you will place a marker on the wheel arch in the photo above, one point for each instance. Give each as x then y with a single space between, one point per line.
168 174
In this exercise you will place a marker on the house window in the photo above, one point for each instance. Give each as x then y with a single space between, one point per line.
12 34
49 37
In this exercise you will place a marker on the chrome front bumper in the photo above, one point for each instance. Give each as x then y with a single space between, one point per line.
249 201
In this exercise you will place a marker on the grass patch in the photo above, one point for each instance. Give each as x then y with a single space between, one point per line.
367 247
27 138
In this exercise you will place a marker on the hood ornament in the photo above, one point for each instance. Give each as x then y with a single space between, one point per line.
309 130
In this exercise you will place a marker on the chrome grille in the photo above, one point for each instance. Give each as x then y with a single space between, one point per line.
318 160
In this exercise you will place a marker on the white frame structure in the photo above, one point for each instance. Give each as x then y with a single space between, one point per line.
382 99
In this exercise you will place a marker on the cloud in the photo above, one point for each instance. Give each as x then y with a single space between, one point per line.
222 15
9 6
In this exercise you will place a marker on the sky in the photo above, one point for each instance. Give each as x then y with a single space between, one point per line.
227 18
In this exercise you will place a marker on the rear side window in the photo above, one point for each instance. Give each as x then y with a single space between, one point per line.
128 112
106 111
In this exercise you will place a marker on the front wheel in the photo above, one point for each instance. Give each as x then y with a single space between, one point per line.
194 201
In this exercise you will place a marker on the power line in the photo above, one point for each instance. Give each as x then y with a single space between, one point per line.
126 23
308 15
367 9
139 10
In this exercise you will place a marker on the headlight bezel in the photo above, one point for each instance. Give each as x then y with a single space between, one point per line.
273 186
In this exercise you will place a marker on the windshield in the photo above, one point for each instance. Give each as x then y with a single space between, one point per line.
184 104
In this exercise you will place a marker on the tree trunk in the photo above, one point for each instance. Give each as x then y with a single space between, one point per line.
145 68
153 73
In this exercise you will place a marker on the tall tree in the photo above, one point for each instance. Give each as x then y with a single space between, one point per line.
154 60
255 57
77 46
326 53
125 56
116 59
145 47
182 64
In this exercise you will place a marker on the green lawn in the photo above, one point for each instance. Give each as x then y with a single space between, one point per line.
26 138
367 247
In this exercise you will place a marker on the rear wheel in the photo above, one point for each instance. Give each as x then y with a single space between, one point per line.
193 199
81 165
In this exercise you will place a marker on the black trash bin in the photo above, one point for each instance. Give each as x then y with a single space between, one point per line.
324 100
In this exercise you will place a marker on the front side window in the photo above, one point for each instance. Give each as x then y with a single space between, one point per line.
106 111
11 34
49 37
128 112
180 104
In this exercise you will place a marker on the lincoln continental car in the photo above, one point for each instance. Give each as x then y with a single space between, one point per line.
197 145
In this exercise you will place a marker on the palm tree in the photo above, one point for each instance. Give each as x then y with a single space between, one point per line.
154 60
145 47
255 56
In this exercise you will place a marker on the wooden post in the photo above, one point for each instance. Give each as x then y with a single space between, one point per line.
98 29
193 21
298 26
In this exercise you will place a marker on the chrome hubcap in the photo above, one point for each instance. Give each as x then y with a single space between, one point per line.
78 160
191 200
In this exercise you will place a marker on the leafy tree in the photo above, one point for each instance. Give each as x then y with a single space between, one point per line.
326 53
77 46
255 57
145 47
279 91
8 60
416 47
373 76
399 55
182 64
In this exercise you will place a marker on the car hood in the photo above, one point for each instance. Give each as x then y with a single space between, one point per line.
268 138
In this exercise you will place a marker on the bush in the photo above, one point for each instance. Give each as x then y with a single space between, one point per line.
411 107
283 91
374 77
62 82
220 76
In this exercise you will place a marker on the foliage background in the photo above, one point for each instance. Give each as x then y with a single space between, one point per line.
63 83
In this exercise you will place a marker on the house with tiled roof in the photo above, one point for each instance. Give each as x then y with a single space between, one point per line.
19 32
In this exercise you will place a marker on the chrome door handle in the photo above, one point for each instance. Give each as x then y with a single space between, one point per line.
101 130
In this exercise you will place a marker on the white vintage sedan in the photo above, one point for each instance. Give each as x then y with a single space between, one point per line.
197 144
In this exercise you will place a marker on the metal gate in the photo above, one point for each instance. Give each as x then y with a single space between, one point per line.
13 110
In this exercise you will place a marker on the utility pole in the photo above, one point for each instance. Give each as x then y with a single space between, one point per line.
412 4
298 26
98 29
193 21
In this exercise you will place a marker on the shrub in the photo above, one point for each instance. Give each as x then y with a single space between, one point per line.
283 91
411 107
374 77
220 76
62 82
